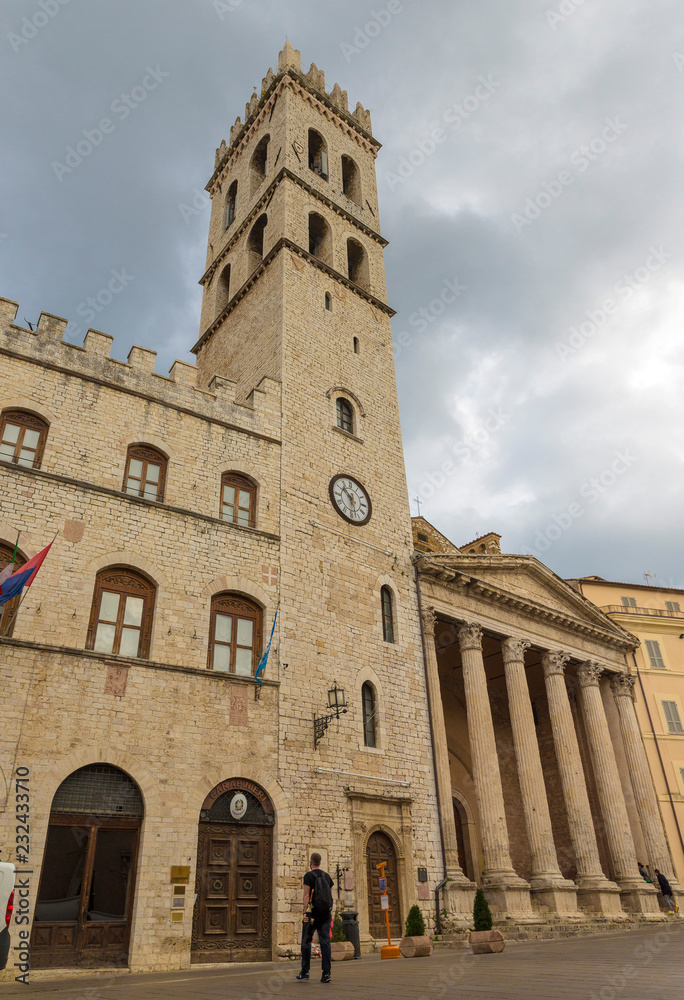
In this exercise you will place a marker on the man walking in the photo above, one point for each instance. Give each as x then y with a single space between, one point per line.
666 890
317 903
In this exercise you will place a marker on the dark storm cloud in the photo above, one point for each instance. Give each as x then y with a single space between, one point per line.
531 161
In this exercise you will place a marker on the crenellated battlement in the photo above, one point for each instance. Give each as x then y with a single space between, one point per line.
289 63
258 414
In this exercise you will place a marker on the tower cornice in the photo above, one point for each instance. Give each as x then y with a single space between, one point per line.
299 84
285 244
258 208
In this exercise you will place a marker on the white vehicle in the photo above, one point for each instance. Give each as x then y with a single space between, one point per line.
6 907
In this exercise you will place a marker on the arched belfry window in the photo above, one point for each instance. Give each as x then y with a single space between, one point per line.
368 712
231 201
320 238
145 474
255 242
234 634
351 180
318 154
8 611
258 164
223 290
122 613
345 415
22 438
387 608
357 264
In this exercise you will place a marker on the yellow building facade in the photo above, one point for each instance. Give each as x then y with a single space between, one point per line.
655 616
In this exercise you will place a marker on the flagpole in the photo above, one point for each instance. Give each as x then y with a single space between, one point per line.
5 634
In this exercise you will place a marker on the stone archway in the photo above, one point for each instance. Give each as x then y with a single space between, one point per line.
85 896
234 882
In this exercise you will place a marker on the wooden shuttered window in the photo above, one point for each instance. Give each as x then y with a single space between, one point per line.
654 655
672 717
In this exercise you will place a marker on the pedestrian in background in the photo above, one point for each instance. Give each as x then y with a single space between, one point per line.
666 890
317 903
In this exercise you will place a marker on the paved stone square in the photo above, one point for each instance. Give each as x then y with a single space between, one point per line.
635 965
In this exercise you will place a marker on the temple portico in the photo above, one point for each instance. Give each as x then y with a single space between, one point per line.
545 789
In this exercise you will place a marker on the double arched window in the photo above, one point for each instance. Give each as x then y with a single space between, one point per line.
387 609
234 635
22 438
122 612
368 712
145 474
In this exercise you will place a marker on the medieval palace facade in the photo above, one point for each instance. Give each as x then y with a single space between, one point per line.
463 715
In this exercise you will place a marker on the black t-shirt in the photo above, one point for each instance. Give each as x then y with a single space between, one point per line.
310 879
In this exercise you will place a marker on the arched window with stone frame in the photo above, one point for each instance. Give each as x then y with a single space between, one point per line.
238 500
145 474
345 415
368 711
122 613
8 612
22 438
320 238
223 290
234 634
387 608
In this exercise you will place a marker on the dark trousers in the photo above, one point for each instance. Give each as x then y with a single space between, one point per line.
322 925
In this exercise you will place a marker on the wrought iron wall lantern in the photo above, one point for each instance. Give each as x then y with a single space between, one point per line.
336 701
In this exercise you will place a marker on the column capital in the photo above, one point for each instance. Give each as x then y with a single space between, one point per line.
470 636
554 663
588 674
623 685
429 617
514 649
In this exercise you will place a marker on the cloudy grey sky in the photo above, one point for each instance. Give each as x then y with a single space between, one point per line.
530 185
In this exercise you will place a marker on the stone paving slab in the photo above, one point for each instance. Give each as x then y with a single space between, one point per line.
633 965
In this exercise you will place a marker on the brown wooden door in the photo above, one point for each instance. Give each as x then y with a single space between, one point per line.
232 915
83 911
380 848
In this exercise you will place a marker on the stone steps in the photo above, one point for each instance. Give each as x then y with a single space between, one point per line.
550 930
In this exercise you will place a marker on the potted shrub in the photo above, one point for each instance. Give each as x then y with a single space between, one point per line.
483 940
415 943
340 948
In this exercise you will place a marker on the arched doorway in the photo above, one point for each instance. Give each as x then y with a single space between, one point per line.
463 840
85 898
232 916
380 848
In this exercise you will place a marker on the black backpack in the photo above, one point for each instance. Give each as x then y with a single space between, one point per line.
322 896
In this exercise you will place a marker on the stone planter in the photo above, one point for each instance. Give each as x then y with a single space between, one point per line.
487 942
341 950
416 947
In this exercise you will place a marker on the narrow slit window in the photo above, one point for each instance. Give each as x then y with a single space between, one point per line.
328 301
368 708
387 614
356 345
231 202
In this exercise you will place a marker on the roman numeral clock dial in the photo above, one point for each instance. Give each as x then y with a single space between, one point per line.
350 499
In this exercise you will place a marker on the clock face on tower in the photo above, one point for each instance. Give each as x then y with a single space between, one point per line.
350 499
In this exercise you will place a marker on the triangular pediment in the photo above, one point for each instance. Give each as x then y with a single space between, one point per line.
522 578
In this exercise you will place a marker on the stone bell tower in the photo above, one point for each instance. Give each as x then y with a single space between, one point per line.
294 291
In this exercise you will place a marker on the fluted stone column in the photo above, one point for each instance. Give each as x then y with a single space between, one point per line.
548 886
640 775
636 894
459 890
594 890
507 892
